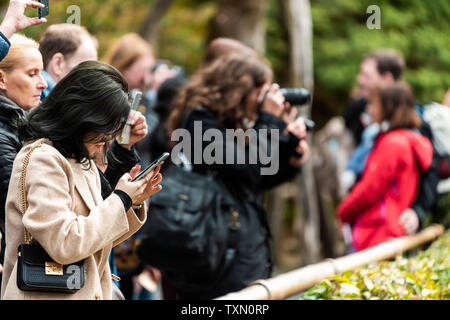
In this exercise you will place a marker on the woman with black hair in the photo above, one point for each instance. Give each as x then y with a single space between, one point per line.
66 214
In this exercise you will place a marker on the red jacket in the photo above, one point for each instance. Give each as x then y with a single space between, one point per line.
388 186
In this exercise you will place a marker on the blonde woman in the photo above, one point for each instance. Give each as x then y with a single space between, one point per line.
21 85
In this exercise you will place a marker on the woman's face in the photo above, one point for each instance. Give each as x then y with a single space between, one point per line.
24 83
136 74
96 142
374 108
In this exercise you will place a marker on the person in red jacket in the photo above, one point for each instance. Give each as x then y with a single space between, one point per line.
390 179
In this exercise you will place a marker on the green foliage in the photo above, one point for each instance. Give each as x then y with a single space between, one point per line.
106 19
425 276
418 29
183 33
277 46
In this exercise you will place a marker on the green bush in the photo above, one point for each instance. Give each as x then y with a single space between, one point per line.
418 29
424 276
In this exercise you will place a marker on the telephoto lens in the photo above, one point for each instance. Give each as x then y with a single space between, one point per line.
296 96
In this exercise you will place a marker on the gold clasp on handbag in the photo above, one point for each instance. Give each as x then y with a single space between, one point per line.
53 269
234 223
183 197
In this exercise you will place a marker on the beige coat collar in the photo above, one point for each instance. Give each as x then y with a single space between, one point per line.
84 181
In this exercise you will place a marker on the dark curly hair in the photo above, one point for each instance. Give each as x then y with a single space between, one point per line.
91 99
223 87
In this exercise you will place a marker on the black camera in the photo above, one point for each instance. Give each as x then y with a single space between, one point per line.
296 96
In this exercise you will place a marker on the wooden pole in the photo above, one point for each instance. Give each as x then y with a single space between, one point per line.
155 13
296 281
297 15
240 20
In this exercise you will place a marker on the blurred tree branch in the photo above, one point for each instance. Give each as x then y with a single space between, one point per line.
240 20
155 13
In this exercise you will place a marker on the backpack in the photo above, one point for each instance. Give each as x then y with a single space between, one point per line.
191 230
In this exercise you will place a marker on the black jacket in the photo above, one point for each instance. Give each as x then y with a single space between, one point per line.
120 161
157 141
247 184
10 145
352 117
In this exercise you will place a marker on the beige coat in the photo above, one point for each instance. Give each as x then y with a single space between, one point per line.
68 217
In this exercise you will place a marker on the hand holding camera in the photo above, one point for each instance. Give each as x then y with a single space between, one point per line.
159 73
272 100
15 18
301 154
300 127
138 131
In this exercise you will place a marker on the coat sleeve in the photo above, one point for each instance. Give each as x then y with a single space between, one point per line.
379 173
4 46
243 164
120 161
285 149
65 235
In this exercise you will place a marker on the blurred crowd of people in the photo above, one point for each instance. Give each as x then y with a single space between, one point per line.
59 102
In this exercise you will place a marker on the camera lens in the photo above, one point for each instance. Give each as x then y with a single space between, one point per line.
296 96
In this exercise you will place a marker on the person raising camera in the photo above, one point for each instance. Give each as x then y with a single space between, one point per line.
236 92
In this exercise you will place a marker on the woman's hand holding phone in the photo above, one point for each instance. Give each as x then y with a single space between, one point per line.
142 189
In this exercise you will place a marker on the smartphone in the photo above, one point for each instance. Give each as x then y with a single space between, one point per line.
152 166
43 12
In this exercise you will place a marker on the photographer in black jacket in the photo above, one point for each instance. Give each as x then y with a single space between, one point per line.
236 92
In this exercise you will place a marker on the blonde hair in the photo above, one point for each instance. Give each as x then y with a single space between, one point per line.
128 49
14 56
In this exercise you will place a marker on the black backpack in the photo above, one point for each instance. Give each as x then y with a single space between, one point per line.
191 231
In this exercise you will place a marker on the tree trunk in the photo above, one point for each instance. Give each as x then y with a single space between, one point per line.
297 15
155 13
242 20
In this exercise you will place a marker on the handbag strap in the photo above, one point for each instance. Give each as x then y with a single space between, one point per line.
27 236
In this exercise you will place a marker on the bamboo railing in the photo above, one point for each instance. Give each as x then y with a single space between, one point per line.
296 281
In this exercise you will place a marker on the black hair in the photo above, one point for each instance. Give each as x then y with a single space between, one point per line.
167 93
388 60
90 99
